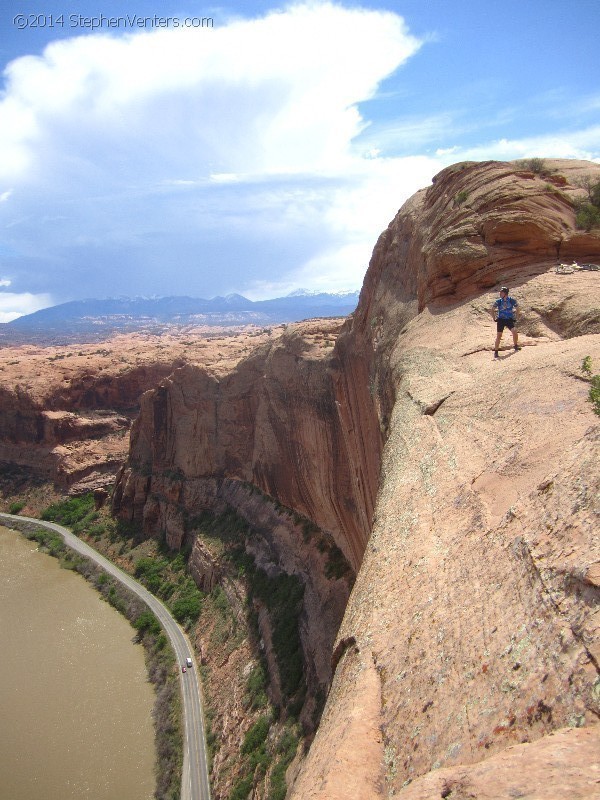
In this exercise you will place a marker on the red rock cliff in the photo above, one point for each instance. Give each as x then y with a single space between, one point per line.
65 412
296 419
461 488
472 632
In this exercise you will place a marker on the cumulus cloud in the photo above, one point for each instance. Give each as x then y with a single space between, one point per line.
203 161
582 144
124 157
13 305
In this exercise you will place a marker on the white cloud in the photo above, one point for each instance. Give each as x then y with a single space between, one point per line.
580 144
276 94
150 144
4 282
204 161
407 134
14 305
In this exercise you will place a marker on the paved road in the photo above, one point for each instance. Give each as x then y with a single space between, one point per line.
194 783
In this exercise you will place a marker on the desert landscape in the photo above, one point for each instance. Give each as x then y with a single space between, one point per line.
67 410
433 511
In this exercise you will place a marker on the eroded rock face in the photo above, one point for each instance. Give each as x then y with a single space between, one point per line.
203 442
65 412
473 623
296 419
462 489
562 764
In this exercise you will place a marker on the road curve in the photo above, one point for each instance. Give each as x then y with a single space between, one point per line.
194 780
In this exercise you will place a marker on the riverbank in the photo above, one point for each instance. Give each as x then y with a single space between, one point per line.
76 703
161 661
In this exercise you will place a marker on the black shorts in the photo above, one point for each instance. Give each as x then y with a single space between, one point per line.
505 323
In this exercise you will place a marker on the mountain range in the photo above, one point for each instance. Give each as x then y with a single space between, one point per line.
91 319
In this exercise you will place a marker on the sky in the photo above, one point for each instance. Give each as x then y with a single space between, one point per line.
179 148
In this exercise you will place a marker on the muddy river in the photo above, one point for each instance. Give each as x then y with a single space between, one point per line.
75 704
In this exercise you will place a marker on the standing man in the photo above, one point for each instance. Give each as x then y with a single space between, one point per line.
505 313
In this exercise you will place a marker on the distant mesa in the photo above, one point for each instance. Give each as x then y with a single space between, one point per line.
93 319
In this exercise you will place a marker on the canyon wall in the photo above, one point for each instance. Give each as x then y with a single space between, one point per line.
75 433
65 412
290 441
461 489
295 419
472 633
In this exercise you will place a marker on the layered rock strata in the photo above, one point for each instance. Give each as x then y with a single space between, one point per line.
65 412
207 442
296 419
462 489
473 624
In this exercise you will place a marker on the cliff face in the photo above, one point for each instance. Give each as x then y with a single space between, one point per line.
473 625
462 489
204 442
65 412
71 432
296 419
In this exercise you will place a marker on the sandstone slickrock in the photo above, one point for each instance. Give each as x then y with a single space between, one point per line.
203 441
65 412
471 608
463 491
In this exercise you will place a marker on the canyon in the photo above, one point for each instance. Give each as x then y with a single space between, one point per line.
66 410
438 507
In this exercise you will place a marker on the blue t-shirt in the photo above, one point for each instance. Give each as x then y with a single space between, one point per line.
505 307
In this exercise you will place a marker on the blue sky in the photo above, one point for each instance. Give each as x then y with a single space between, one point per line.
267 152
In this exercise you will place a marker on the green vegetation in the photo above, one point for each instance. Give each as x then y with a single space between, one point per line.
591 188
256 688
242 788
461 197
15 508
587 211
165 577
265 753
225 630
256 736
594 393
286 750
146 622
71 511
149 571
222 532
48 541
587 216
535 165
283 596
264 756
186 609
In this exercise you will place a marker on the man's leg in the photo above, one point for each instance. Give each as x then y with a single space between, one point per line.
515 336
498 337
